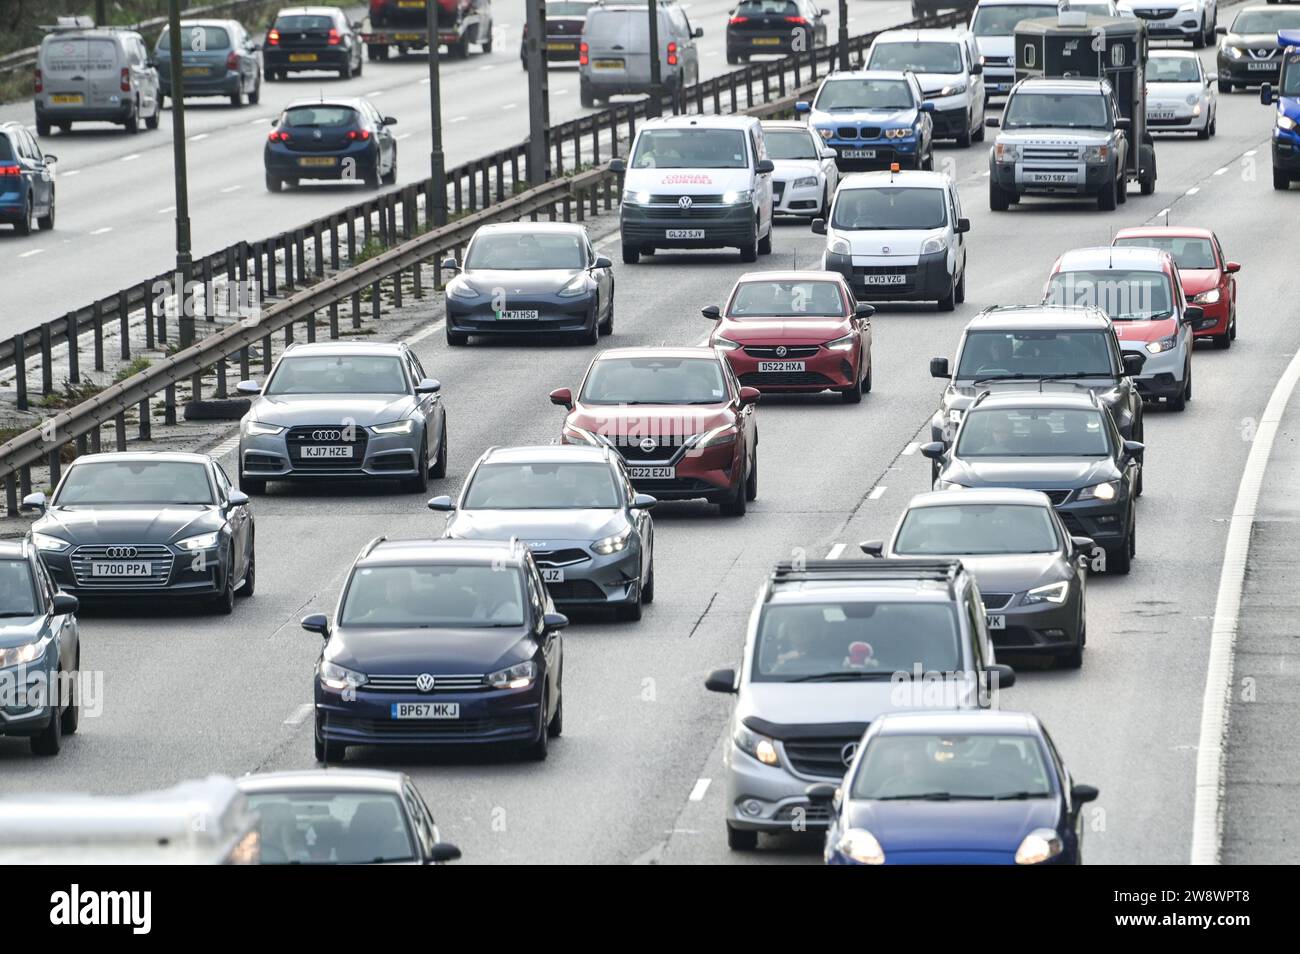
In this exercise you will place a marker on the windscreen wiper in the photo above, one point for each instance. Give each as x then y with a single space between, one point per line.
843 675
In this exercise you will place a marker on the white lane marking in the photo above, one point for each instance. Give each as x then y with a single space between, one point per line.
911 448
377 92
131 158
225 447
703 344
457 119
257 122
486 66
510 106
35 251
1193 190
421 335
985 173
199 138
1162 212
835 552
1207 816
300 714
559 92
701 786
877 492
711 53
402 136
170 208
229 189
73 172
425 81
106 228
1249 152
1219 172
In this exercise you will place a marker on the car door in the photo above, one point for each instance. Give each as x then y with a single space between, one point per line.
63 626
958 243
549 641
829 169
745 417
143 77
240 520
34 171
641 519
762 181
604 279
976 80
689 53
428 405
421 825
387 144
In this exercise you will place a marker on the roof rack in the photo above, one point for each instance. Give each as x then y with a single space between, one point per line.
80 22
370 547
893 568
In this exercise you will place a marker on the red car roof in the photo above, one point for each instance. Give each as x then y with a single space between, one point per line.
1152 231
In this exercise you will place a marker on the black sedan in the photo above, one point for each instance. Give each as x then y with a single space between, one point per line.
1067 446
147 524
564 22
530 278
774 26
309 39
345 140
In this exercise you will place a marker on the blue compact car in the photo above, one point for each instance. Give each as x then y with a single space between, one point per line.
26 180
872 119
1286 128
975 787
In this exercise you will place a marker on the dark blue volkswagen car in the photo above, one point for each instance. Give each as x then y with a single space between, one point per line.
976 787
342 140
440 642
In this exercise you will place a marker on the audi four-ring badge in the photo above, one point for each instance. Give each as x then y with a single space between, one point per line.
146 524
335 411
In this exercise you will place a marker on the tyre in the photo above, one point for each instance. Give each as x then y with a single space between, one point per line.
327 752
273 183
734 504
866 382
255 96
24 225
1225 86
738 839
825 211
1281 181
419 484
648 590
765 243
1224 341
587 100
732 58
556 726
852 395
949 301
1119 561
251 486
1179 402
1108 197
46 222
964 137
72 714
250 575
607 326
1121 186
1073 658
751 482
390 177
749 253
50 739
590 336
132 122
152 121
237 98
538 749
1137 489
1198 41
959 293
457 339
223 604
345 72
42 127
371 177
629 612
631 254
439 470
999 201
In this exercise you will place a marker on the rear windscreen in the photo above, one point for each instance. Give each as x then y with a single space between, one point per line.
80 56
606 29
767 8
320 115
198 39
302 22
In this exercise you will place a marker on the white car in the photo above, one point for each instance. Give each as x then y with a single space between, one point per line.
1093 8
898 236
806 177
994 25
946 64
1180 94
1192 20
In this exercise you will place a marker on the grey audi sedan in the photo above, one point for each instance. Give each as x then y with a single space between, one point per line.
589 531
344 410
146 524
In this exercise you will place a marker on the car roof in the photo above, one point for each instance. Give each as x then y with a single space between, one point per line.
1167 54
1156 231
704 121
928 35
1054 85
351 102
792 275
1020 317
1129 257
865 74
295 11
333 780
384 552
174 456
1076 400
979 496
1007 3
664 351
969 721
566 227
885 590
883 177
346 347
546 453
785 124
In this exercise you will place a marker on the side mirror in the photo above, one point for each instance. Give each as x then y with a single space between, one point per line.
873 548
864 310
1083 544
1084 793
1266 94
617 165
976 69
1134 448
317 623
829 152
939 368
1232 268
1221 30
237 498
34 501
721 680
450 263
764 166
554 621
441 504
749 396
932 450
643 502
603 261
697 33
563 397
1002 675
712 312
428 386
390 121
1133 362
927 107
1193 313
802 107
963 226
819 226
1123 122
993 122
443 852
825 11
251 388
65 603
822 793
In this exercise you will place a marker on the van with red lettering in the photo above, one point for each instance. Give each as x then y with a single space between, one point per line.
697 182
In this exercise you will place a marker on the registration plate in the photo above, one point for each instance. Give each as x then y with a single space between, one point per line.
316 161
409 37
195 71
857 153
552 574
606 64
684 233
302 57
780 365
526 314
67 99
1163 114
1049 177
412 4
767 41
561 46
1267 65
426 710
884 279
133 568
652 473
330 450
995 620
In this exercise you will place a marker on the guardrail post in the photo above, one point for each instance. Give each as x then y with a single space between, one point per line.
457 205
266 354
288 334
334 242
98 314
169 406
501 179
148 316
185 318
397 289
300 242
20 371
559 159
81 444
366 225
288 263
374 300
319 237
731 84
487 183
54 463
352 238
24 480
514 171
11 495
74 363
243 363
124 326
95 439
221 380
47 360
356 310
471 186
209 290
146 423
417 279
269 246
311 328
334 321
119 431
257 273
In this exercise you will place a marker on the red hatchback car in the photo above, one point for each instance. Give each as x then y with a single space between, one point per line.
1209 279
685 426
796 332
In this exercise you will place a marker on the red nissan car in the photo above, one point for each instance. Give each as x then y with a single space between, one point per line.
796 331
685 426
1209 279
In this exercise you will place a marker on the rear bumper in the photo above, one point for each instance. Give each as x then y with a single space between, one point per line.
282 162
772 41
81 114
225 85
327 58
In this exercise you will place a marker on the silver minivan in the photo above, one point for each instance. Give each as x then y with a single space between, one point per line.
89 74
614 55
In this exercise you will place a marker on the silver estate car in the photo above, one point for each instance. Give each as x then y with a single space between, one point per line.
343 410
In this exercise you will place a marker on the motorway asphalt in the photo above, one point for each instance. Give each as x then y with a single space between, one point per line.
116 199
188 694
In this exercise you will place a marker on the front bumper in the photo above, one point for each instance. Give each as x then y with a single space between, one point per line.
1069 178
177 573
822 368
925 279
998 80
1183 119
883 152
1162 375
1286 152
1248 71
281 161
590 579
804 200
773 795
721 227
24 697
375 456
712 473
1039 627
1106 521
554 314
486 717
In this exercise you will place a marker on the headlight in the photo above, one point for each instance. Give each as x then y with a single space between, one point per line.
751 743
573 434
805 182
1039 846
933 245
396 427
258 429
204 541
1286 122
1096 154
838 246
956 89
738 196
578 285
1162 344
44 541
826 132
1233 52
1006 152
461 289
1051 593
518 676
632 197
1196 110
898 133
726 434
841 344
1106 491
613 544
337 678
858 844
26 653
725 344
1207 297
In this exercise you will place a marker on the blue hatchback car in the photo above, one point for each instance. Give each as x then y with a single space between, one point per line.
26 180
872 119
978 787
440 642
343 140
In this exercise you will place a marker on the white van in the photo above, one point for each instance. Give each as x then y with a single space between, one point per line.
84 73
697 182
946 64
898 236
994 25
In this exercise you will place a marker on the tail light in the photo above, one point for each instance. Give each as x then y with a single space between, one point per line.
232 61
126 80
583 50
358 135
9 170
38 86
273 38
672 54
798 20
278 136
334 38
735 20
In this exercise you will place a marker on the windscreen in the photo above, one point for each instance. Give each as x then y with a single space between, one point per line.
891 207
1187 251
973 529
837 639
606 29
1002 20
989 355
320 115
155 482
690 149
917 57
338 374
197 39
542 486
1123 295
1069 110
317 828
527 250
855 94
1266 21
434 595
941 767
782 299
1032 432
1173 69
78 56
17 593
657 380
790 144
